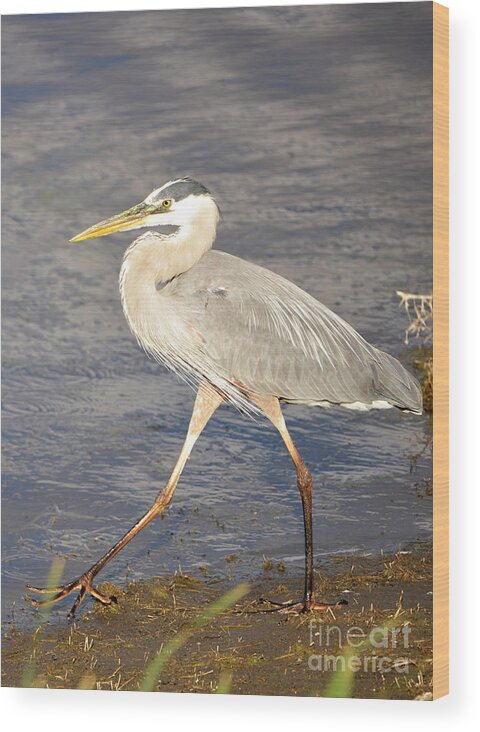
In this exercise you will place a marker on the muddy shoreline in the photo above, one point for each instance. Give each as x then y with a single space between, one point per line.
244 650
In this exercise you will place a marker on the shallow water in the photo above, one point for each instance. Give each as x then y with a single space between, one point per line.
312 126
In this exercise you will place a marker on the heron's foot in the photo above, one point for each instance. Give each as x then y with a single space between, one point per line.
299 608
84 586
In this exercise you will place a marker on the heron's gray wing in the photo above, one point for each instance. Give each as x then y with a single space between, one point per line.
260 332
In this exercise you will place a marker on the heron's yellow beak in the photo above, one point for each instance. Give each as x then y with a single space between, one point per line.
133 218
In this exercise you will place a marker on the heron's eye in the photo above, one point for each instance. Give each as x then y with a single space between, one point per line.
167 203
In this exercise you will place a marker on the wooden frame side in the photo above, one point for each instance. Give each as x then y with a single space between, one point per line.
440 352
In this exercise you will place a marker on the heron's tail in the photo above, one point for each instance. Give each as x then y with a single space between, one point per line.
395 384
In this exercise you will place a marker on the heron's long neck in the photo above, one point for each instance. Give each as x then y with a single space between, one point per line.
154 258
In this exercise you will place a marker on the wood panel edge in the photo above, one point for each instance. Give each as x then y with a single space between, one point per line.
440 352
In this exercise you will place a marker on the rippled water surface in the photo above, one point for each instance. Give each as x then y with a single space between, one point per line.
312 126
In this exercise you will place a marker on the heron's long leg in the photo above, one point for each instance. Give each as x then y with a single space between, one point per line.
271 408
206 402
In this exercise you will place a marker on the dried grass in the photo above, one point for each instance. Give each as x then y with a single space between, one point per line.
419 309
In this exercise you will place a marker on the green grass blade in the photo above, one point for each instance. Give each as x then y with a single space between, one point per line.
155 667
53 580
224 683
342 680
340 684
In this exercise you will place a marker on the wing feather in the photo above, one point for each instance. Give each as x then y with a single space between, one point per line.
260 332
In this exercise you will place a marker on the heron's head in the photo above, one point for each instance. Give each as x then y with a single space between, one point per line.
183 202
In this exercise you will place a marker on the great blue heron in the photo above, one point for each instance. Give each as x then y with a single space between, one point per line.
238 333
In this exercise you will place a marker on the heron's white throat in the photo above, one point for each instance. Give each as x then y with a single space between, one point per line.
155 257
